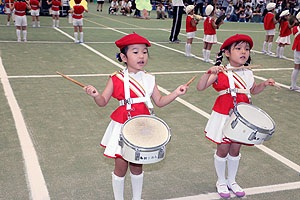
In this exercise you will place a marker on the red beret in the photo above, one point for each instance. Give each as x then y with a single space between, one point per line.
236 38
132 39
77 1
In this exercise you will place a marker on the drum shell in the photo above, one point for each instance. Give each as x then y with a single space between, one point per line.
236 129
148 155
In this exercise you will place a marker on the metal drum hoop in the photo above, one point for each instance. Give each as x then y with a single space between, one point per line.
247 123
146 149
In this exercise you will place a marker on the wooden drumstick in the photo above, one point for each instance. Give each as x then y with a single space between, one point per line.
237 68
190 81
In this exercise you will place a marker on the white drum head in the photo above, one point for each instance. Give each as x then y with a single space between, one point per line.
255 116
145 132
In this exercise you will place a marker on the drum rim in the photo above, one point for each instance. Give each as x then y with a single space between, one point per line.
145 149
247 123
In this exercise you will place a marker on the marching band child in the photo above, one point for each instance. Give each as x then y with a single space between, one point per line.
7 10
285 32
269 26
210 36
77 11
191 28
35 12
134 53
55 11
296 48
20 17
239 83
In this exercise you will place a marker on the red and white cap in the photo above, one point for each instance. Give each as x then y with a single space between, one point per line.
236 38
131 39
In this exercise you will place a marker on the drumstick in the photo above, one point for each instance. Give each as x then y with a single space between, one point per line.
78 83
236 68
275 85
190 81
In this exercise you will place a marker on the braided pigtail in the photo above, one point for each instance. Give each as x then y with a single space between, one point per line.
219 58
248 61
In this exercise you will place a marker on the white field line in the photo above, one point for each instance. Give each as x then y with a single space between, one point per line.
34 176
194 108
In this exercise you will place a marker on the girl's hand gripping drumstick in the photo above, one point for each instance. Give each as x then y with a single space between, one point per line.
74 81
188 83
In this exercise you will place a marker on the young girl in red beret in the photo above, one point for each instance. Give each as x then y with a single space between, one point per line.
237 50
134 53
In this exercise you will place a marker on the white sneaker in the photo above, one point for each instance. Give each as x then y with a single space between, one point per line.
25 40
236 189
8 23
264 52
222 190
270 53
33 25
295 88
19 40
76 41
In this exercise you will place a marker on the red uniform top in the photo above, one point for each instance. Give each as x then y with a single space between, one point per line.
55 5
7 3
20 8
224 103
34 4
284 29
78 10
268 21
296 45
120 114
189 27
208 27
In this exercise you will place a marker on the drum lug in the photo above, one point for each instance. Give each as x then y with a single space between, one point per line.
252 136
137 155
121 142
234 123
161 153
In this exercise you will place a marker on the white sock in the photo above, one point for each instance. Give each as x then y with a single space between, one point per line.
232 165
33 24
207 54
137 185
264 46
294 77
220 165
269 47
18 34
278 51
281 51
57 23
204 54
53 22
24 35
118 186
81 36
187 49
39 24
76 36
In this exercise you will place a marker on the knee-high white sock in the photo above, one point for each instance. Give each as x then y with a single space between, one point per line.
118 186
57 23
81 36
207 54
232 165
137 185
76 36
264 46
269 47
18 34
53 22
187 49
24 35
281 52
278 51
220 165
204 54
38 23
294 77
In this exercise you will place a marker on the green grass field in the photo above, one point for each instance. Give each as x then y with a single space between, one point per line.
66 126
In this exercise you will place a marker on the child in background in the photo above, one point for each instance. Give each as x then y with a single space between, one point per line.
237 50
269 26
285 32
77 16
7 10
20 17
114 7
191 28
134 53
55 11
35 12
296 48
210 36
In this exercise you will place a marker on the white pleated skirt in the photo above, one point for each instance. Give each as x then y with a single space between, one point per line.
284 40
210 39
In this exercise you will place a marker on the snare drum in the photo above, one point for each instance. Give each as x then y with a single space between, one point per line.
249 124
143 139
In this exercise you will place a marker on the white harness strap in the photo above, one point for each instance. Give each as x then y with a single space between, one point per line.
236 90
231 84
298 29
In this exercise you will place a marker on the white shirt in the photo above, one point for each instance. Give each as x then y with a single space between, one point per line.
177 3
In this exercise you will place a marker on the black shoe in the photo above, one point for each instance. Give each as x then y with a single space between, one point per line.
101 10
97 10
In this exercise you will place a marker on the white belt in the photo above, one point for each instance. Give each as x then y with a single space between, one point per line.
35 6
235 90
19 11
55 6
77 14
133 100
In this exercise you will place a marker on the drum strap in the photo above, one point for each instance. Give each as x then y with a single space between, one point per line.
236 90
128 101
298 29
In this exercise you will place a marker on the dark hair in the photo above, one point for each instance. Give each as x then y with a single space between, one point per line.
220 54
123 51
